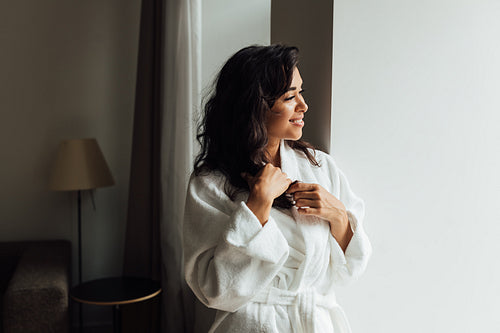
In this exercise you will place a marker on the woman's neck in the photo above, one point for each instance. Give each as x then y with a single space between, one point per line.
273 151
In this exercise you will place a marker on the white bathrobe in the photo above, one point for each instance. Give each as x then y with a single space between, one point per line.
278 277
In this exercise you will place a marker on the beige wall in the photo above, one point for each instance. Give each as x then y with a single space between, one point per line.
67 71
228 28
309 26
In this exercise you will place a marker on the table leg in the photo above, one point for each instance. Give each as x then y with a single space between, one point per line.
117 319
80 318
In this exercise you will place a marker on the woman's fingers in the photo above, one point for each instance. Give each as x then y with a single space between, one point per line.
307 203
312 199
315 195
269 183
301 187
309 211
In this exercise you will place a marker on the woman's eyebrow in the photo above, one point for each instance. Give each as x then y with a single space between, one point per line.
292 88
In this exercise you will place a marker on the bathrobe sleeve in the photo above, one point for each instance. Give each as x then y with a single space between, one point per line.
228 255
348 266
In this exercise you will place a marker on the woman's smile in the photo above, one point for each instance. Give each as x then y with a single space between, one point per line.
297 121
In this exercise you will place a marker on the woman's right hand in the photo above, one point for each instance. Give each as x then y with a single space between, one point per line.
269 183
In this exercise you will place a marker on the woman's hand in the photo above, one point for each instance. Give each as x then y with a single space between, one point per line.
313 199
269 183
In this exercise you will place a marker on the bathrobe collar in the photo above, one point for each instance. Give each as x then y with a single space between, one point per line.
296 165
289 164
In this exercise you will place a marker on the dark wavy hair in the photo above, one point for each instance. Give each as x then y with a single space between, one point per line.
232 132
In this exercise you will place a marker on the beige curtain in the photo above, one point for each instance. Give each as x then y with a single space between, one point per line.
167 95
181 100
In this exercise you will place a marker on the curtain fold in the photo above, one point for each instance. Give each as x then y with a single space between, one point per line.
142 238
167 96
181 99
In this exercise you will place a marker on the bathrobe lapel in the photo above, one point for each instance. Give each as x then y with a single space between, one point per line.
314 230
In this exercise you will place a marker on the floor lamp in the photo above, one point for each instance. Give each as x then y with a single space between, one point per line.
79 166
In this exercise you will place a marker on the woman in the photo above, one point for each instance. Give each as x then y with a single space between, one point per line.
271 225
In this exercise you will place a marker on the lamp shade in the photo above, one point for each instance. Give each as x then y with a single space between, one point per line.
80 165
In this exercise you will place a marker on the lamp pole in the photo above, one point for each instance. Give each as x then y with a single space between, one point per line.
79 236
80 315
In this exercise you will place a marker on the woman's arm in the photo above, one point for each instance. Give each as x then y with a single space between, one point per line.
350 263
342 231
228 255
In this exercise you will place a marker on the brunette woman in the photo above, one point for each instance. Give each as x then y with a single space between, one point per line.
271 225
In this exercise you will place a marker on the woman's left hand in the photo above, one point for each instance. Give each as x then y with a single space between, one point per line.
313 199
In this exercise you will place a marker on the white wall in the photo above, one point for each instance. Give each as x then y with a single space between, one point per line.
416 127
67 71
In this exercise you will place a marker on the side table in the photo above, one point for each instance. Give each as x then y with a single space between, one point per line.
115 291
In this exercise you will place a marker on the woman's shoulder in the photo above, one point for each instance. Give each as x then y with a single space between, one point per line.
207 179
210 187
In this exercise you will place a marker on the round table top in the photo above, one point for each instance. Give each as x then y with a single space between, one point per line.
115 291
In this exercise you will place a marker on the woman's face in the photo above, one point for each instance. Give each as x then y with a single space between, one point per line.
285 119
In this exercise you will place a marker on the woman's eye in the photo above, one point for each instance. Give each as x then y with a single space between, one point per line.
289 98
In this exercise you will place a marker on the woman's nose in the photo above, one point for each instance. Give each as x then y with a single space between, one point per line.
302 105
